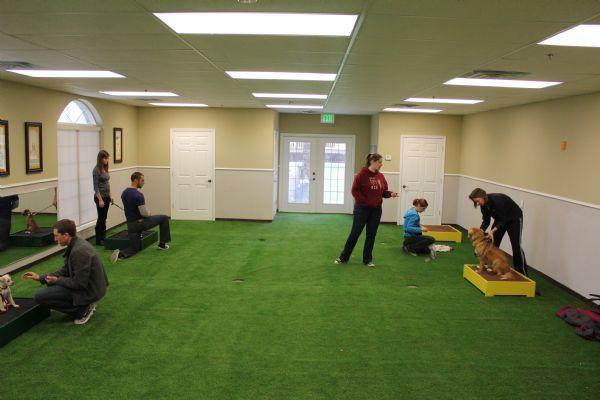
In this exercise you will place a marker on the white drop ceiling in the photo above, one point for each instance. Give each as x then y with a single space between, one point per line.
404 48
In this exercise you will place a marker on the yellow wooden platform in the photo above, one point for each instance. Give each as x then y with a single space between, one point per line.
443 233
490 284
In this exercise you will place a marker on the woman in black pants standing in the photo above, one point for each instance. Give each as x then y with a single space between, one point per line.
369 188
102 195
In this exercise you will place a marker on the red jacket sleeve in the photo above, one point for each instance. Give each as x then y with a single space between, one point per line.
386 193
358 195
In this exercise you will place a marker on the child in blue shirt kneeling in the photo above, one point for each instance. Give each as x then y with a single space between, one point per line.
414 240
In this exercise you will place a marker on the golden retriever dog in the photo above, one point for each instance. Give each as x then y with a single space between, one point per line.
490 255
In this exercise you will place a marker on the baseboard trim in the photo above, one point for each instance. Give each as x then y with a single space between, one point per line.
244 220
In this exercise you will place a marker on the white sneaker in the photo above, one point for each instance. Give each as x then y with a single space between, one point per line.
114 257
370 264
88 314
164 248
339 261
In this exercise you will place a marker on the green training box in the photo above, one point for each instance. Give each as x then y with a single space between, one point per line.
120 240
15 321
41 238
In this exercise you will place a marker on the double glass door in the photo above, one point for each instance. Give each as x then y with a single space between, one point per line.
316 173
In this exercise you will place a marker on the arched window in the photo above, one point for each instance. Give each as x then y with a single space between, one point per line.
77 112
78 143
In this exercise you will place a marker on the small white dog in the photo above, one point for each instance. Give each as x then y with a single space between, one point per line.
6 298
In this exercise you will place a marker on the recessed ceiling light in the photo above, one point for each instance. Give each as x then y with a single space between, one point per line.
49 73
579 36
290 96
255 23
134 94
447 101
505 83
307 107
412 110
291 76
179 104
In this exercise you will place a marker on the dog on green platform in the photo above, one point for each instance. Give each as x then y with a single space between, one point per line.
490 255
6 298
31 226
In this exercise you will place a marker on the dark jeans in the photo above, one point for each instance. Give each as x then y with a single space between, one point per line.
362 216
101 221
418 244
135 228
4 233
515 233
60 299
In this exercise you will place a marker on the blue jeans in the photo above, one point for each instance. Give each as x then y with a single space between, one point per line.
60 299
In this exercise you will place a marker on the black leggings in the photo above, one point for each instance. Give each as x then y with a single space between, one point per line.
515 233
418 244
101 221
363 216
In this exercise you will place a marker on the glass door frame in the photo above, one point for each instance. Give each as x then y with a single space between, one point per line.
316 180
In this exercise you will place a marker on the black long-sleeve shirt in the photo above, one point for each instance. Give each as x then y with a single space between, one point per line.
502 208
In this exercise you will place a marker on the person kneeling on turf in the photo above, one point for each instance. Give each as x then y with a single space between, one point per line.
139 219
414 240
79 284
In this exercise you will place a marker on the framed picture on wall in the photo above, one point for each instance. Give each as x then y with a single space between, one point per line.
118 145
4 153
34 161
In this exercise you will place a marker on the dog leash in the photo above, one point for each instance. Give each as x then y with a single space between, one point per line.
43 209
484 249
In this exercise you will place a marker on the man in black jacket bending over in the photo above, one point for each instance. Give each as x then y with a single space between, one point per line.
79 284
508 218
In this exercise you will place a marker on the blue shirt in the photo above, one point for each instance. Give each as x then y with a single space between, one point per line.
132 199
412 223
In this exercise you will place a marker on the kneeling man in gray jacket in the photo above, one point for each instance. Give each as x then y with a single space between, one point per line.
79 284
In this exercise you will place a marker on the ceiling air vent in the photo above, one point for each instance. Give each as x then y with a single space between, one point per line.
404 105
493 74
148 99
309 112
16 65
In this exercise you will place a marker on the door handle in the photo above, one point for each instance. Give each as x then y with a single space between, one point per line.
314 179
403 186
210 181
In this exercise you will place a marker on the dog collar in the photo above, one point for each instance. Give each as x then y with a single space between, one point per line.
484 249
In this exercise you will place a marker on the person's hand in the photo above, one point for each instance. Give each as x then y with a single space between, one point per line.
31 275
424 229
112 200
394 194
490 235
51 280
101 203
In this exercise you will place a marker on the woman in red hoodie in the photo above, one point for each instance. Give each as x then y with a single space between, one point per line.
369 188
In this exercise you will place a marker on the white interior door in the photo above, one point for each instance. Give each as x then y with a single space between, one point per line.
316 173
192 174
422 175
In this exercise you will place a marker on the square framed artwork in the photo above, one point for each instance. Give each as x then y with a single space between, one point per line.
34 159
4 150
118 145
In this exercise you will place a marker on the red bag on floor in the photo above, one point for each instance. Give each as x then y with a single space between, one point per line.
586 322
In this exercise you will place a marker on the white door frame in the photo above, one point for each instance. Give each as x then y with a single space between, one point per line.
283 183
211 132
399 216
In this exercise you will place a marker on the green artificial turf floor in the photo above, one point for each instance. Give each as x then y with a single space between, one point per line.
15 253
175 325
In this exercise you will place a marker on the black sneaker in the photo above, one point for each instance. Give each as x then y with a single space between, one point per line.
86 317
405 249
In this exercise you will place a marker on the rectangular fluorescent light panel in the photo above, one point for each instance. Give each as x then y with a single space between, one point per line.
308 107
579 36
179 104
255 23
48 73
290 96
286 76
444 101
505 83
412 110
144 94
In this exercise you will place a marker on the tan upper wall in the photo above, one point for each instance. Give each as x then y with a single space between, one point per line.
22 103
520 146
359 125
393 125
243 137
